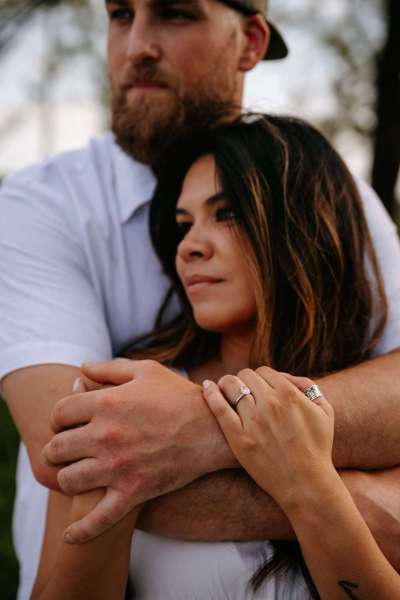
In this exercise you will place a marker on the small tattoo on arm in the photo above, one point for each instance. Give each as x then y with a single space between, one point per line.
348 586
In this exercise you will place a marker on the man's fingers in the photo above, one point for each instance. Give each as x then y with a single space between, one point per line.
88 474
72 411
68 446
115 372
108 512
227 418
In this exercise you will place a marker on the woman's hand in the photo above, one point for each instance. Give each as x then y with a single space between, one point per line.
99 376
282 439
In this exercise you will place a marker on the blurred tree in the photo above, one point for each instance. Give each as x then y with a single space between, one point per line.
70 33
385 170
365 111
8 453
15 15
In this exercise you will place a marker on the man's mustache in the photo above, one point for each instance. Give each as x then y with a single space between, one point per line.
147 74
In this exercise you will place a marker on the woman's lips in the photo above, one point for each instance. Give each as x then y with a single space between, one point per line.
197 281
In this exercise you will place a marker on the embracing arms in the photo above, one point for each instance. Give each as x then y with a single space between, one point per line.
182 432
365 399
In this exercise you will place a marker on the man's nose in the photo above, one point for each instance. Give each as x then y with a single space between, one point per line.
142 41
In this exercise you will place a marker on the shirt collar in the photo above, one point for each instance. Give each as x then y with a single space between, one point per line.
134 183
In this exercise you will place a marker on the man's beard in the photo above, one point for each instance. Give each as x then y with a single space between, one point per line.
146 129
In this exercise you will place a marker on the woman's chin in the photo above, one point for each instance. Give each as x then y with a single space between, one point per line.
216 324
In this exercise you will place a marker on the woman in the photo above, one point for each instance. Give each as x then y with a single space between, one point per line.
260 227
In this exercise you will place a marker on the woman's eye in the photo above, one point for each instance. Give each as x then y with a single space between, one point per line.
184 228
225 214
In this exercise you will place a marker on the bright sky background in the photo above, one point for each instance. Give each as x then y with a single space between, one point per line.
73 115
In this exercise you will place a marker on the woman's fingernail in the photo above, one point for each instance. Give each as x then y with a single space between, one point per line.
76 385
44 453
68 539
86 365
206 384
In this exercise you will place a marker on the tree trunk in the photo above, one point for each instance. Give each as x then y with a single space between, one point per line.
387 134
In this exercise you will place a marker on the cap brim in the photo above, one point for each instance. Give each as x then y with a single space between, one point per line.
277 47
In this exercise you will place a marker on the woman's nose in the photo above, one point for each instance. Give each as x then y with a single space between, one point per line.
195 245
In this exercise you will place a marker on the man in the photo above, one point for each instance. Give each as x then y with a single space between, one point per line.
79 280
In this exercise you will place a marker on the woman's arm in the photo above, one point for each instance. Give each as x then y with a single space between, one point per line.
96 570
284 441
341 554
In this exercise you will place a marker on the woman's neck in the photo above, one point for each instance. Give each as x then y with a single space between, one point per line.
235 351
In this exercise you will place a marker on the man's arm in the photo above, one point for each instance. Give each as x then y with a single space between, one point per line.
229 506
366 399
31 394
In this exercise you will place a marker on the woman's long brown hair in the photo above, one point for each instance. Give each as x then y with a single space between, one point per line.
321 305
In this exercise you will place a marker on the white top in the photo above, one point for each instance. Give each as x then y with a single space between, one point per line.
79 279
167 569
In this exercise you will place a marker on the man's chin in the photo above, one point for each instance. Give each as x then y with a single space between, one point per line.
145 128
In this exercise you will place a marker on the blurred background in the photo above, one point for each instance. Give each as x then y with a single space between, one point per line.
342 75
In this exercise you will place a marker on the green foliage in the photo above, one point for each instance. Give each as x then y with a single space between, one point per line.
8 454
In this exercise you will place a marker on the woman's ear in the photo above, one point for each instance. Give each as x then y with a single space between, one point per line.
256 39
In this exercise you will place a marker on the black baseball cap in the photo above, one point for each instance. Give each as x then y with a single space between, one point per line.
277 46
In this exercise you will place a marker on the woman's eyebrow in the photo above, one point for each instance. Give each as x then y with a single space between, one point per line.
180 211
214 199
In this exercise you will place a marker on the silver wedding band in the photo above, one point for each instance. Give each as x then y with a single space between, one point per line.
313 392
243 391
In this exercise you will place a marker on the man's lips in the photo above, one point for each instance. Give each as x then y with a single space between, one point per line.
144 85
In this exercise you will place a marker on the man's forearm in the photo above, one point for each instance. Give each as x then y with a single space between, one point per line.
366 399
31 394
222 506
229 506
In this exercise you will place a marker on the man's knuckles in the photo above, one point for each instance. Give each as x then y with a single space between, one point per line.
109 436
107 401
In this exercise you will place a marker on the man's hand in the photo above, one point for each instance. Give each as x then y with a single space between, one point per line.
142 439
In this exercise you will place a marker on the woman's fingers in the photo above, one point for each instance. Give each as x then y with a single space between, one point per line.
114 372
238 393
325 406
227 418
301 383
85 384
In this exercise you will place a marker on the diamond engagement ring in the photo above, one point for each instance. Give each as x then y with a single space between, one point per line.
243 391
313 392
